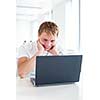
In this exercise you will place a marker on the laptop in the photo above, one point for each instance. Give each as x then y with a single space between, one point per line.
52 70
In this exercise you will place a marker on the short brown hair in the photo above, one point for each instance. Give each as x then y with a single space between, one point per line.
49 27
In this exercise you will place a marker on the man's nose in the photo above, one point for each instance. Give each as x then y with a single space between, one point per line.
48 43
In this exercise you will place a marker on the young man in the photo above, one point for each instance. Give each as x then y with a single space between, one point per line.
45 45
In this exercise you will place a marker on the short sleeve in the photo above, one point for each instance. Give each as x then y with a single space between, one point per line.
22 52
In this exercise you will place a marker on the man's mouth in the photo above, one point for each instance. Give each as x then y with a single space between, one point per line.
46 48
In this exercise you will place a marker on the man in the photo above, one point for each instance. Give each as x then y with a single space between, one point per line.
45 45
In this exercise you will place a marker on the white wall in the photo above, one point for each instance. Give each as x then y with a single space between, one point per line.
72 25
66 15
59 18
23 31
90 44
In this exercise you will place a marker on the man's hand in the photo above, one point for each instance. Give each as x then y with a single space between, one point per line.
53 50
40 47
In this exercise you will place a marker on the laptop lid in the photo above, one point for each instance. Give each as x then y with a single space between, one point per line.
57 69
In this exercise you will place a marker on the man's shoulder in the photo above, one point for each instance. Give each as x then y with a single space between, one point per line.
28 45
28 49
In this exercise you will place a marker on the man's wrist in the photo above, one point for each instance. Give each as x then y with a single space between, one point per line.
38 53
55 52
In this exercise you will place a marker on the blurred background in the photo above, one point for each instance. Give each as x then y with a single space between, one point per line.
65 13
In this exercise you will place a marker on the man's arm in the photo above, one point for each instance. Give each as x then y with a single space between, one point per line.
25 65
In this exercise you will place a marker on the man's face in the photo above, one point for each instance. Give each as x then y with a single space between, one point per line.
48 41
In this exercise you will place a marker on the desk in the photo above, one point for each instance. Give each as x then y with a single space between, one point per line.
26 91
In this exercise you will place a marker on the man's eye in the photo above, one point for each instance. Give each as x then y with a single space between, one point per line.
52 40
45 40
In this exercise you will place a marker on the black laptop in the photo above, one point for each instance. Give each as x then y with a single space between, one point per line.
57 69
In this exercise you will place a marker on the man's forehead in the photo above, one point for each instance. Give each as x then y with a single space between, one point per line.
45 35
48 34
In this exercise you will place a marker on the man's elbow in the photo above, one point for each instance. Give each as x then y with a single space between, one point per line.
21 74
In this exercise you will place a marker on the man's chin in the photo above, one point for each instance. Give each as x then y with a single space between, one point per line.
47 49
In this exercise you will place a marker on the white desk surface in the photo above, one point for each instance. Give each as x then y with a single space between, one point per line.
26 91
87 89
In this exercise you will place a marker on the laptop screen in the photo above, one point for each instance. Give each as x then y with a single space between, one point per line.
58 69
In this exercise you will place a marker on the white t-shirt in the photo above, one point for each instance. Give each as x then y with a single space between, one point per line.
29 50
